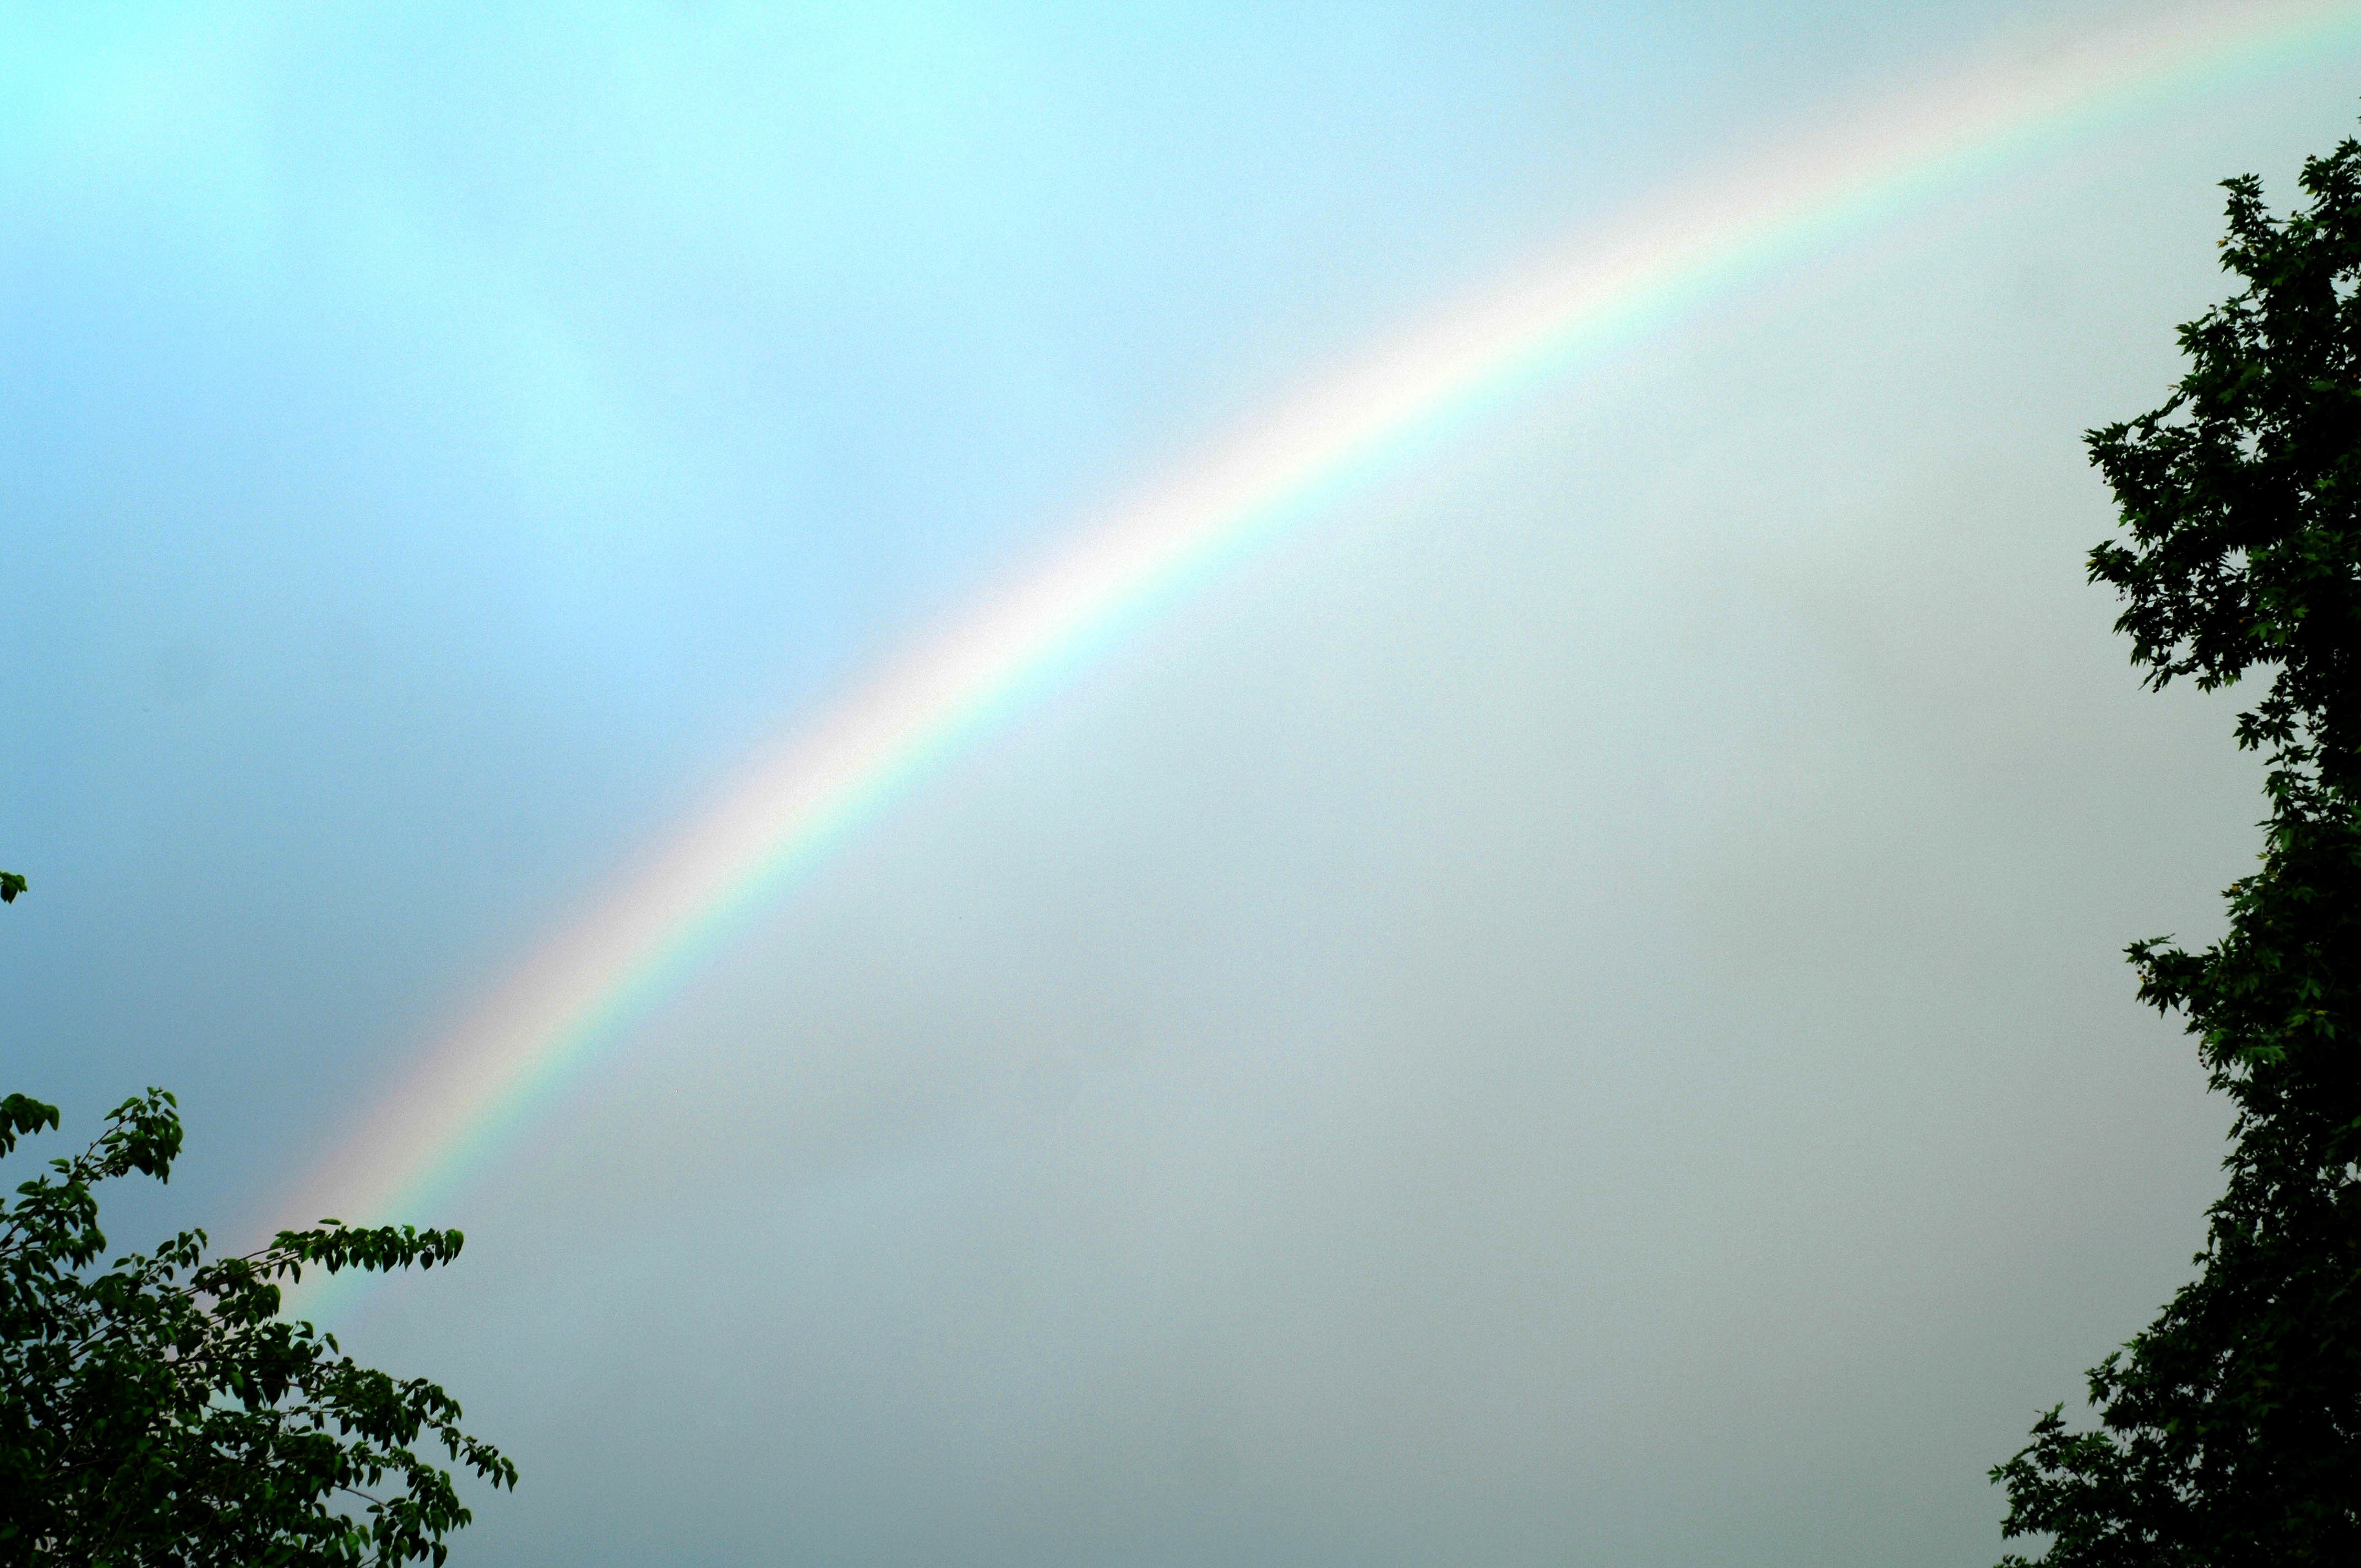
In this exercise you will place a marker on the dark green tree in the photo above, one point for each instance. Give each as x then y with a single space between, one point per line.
2230 1430
155 1410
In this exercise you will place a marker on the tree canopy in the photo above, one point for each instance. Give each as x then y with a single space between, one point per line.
2230 1430
157 1410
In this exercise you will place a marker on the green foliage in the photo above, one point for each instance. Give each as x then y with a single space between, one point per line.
157 1412
11 885
2230 1430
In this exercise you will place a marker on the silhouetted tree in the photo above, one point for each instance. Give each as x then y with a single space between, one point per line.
157 1412
2230 1430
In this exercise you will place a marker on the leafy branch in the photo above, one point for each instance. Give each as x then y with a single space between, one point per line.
157 1409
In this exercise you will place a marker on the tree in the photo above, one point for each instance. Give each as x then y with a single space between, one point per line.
157 1412
2230 1430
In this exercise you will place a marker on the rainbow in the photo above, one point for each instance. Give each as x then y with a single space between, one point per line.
824 779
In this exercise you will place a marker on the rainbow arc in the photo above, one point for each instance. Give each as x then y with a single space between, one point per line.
825 777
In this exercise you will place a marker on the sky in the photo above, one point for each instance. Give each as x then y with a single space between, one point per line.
1563 1006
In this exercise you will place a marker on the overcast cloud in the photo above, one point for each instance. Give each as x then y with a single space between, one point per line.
1569 1010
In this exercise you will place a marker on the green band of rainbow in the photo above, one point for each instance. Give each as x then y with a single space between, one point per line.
827 778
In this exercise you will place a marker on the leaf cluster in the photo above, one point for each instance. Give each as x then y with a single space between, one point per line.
2230 1430
2238 494
155 1410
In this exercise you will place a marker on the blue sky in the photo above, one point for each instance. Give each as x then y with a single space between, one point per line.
1567 1012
